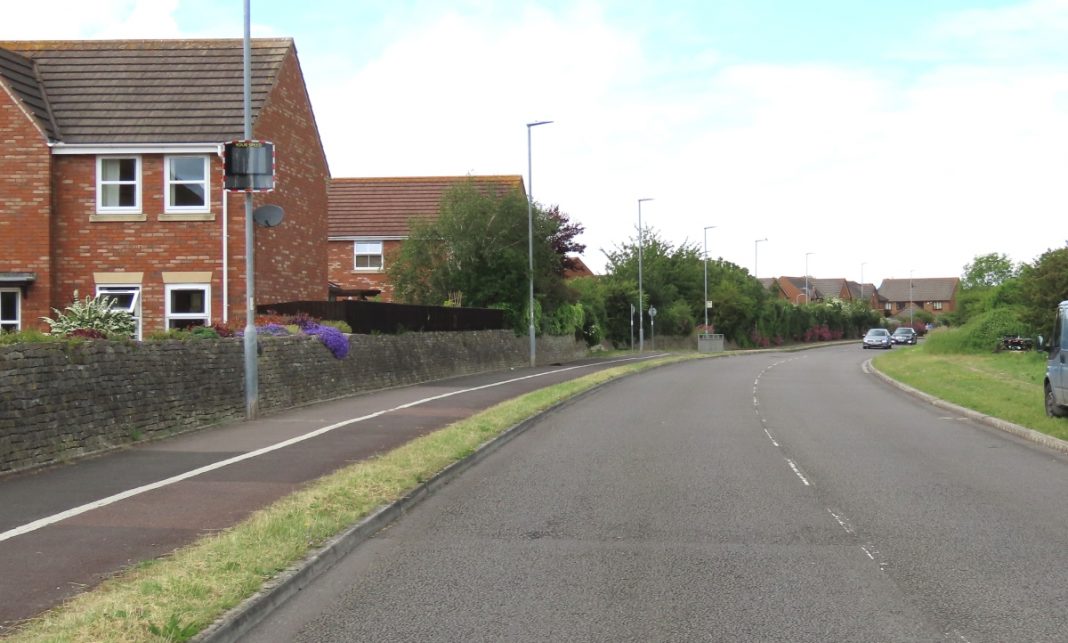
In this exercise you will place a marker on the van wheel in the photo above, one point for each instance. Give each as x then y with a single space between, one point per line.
1053 409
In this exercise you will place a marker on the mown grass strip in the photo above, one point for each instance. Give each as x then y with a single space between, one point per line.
173 598
1004 385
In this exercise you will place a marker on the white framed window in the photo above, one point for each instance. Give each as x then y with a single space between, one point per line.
367 255
188 305
10 309
937 305
118 184
124 297
186 181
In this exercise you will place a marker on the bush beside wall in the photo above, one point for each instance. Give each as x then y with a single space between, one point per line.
59 401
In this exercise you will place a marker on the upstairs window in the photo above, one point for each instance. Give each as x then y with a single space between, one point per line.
118 184
10 308
368 255
187 183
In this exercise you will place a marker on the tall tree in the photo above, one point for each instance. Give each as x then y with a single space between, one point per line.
1043 285
987 271
477 251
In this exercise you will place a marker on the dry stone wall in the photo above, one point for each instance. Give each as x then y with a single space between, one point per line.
59 401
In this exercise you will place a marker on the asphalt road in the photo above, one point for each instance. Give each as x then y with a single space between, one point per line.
64 529
770 497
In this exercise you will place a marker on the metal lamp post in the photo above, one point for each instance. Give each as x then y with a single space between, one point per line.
912 306
641 313
808 296
756 254
530 234
707 228
862 264
250 343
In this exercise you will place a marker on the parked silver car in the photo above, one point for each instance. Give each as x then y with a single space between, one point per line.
877 338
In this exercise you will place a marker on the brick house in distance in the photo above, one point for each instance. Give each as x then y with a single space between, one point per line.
936 295
111 179
369 220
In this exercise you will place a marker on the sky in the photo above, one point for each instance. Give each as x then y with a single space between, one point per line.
863 139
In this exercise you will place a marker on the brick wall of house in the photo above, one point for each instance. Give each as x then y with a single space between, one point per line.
291 261
340 255
67 400
151 246
25 201
290 258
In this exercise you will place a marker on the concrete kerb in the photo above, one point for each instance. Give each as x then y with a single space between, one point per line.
995 423
243 618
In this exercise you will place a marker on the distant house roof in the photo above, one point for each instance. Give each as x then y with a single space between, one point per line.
382 207
577 268
140 91
926 289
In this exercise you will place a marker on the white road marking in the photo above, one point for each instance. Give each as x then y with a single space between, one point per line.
798 472
130 493
770 437
841 521
865 550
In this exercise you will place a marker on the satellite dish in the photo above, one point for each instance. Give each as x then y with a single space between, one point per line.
268 216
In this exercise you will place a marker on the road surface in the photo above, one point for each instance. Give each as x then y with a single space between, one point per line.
768 497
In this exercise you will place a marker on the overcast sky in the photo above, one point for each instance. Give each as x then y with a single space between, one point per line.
885 137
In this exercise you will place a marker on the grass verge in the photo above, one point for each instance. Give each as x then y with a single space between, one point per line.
1005 385
175 597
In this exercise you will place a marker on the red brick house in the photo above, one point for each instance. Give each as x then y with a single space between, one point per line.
793 290
111 179
936 295
369 220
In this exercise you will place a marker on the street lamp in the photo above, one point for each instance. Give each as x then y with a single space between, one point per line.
862 264
756 249
912 306
641 313
808 296
530 233
707 228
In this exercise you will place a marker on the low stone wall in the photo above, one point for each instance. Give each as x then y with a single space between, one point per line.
60 401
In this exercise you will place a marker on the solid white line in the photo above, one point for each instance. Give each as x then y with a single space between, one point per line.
103 502
797 471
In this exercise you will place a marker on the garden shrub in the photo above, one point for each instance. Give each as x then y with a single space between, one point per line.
92 314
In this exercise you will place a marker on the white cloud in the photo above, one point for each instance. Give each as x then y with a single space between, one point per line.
965 142
77 19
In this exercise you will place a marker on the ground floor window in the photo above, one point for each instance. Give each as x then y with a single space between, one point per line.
188 305
10 309
124 297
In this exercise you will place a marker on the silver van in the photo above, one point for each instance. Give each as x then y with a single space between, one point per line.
1056 384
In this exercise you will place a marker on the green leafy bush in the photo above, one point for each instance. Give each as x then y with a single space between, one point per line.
341 325
980 335
24 337
92 314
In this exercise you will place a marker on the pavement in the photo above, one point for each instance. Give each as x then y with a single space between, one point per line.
64 529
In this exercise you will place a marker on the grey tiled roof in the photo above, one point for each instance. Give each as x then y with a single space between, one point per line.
20 75
150 91
368 207
923 289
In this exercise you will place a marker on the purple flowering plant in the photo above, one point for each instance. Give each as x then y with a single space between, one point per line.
331 337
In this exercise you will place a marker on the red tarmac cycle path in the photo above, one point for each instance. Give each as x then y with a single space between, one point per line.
41 567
